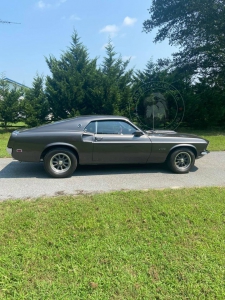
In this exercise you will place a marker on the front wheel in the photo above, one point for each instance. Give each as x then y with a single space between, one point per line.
181 161
60 163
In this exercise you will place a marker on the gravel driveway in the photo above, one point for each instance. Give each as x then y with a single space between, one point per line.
29 180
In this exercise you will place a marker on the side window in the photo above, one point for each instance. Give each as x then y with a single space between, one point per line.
127 128
90 127
114 127
108 127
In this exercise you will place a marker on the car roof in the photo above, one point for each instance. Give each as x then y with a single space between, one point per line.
78 123
82 121
91 117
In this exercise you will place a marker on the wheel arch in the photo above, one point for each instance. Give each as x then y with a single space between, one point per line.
177 147
60 145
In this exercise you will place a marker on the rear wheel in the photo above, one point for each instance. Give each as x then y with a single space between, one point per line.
181 160
60 163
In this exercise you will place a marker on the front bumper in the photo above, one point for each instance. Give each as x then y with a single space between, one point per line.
9 150
203 153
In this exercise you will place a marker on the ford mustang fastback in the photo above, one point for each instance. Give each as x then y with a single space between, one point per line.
93 140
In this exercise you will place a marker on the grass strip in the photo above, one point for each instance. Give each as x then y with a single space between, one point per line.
216 138
166 244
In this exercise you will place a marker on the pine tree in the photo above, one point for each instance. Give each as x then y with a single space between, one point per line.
35 107
71 89
116 81
9 103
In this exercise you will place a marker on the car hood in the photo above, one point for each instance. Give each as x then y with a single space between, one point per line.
173 134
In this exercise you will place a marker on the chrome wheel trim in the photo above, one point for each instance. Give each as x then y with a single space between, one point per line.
182 160
60 163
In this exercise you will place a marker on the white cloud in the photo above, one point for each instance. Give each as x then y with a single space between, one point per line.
60 2
74 18
132 57
110 29
42 4
129 21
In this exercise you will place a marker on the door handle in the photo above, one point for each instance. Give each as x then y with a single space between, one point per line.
99 138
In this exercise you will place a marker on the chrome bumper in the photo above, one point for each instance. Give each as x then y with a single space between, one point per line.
204 152
9 150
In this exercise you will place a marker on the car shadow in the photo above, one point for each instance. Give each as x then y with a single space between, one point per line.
120 169
125 169
16 169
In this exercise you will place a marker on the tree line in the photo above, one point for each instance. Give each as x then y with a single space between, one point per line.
78 86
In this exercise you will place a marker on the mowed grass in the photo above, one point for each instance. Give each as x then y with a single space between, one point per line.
216 138
4 137
166 244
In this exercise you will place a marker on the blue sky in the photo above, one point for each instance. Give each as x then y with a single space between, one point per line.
47 25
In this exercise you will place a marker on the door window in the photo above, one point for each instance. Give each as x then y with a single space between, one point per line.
114 127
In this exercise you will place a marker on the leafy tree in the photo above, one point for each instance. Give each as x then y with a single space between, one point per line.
73 86
206 105
35 107
197 27
9 103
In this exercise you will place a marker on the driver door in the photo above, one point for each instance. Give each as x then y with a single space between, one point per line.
114 142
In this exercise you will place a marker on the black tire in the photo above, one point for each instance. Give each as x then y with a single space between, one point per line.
60 163
181 161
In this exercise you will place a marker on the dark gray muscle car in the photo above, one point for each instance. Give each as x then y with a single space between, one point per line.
92 140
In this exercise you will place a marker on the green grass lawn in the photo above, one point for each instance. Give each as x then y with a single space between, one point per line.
4 137
126 245
216 138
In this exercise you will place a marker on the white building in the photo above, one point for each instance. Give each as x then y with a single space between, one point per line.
13 84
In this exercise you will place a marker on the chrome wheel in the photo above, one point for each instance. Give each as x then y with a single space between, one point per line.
60 163
183 160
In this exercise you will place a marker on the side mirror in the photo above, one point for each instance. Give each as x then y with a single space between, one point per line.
137 133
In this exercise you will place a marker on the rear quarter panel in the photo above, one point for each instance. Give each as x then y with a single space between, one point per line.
33 144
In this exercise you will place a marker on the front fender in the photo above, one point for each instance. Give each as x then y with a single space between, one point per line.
184 146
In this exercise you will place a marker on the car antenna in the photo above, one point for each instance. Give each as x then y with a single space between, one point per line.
8 22
153 116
